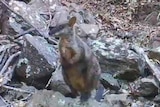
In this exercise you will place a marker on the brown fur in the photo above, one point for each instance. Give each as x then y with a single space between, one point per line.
81 69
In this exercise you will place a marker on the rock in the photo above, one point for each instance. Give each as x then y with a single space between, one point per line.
83 15
154 53
114 55
60 16
152 18
129 75
45 98
115 98
134 105
38 61
109 82
118 104
3 102
157 99
147 89
150 104
88 17
154 41
58 83
151 79
143 103
124 34
42 98
137 104
62 13
5 27
89 28
12 94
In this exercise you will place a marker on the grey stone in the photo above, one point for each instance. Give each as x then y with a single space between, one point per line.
38 61
58 83
147 89
116 57
45 98
157 99
115 98
109 82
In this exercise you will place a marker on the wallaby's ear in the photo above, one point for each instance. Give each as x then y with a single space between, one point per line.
72 21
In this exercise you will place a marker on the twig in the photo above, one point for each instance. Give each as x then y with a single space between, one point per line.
3 41
26 98
48 82
17 89
8 75
86 2
50 15
52 41
19 35
106 91
12 40
27 31
6 103
57 68
2 56
3 59
8 62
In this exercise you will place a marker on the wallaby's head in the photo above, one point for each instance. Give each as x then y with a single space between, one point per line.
64 29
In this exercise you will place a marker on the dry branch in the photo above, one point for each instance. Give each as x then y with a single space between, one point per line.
17 89
8 75
8 62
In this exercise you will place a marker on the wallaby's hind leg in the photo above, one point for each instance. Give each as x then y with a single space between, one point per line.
74 92
85 96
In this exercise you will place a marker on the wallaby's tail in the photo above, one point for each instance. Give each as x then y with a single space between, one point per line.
99 93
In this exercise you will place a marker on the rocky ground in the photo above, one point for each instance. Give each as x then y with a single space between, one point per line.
124 34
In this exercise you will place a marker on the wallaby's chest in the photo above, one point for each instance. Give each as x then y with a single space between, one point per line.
76 73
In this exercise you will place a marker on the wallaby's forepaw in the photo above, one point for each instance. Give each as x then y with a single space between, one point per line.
75 59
